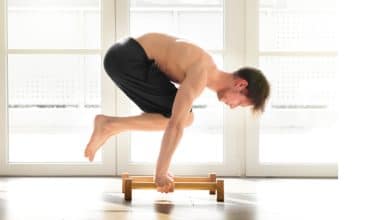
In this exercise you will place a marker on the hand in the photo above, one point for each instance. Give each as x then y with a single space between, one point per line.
165 183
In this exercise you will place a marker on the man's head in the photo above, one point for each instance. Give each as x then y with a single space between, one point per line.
249 88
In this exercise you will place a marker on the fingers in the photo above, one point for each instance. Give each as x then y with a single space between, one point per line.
172 188
165 183
166 188
170 174
169 187
162 189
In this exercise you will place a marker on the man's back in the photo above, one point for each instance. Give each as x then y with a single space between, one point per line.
175 57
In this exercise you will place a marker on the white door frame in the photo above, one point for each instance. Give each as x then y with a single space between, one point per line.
107 166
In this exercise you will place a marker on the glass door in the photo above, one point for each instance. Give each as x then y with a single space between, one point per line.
203 147
53 85
297 51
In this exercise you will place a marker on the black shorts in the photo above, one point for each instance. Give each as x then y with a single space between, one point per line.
139 77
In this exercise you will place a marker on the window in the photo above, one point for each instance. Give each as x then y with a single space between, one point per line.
54 84
297 52
53 91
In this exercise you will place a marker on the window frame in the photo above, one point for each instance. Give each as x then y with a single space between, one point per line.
107 165
253 144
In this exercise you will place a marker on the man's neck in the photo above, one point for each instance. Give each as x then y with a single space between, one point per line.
220 81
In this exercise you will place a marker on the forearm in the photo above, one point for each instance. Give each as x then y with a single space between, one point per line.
171 139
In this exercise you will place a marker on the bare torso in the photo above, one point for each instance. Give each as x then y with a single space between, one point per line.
175 57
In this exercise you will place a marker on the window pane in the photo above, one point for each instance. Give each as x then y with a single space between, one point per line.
53 24
52 100
180 20
300 81
146 21
154 3
300 25
299 144
297 124
194 25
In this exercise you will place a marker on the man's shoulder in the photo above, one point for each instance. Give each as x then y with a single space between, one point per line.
204 63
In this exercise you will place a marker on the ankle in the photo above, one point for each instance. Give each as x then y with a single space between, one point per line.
112 125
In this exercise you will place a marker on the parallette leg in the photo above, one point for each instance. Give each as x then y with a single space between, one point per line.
125 175
220 191
213 178
128 189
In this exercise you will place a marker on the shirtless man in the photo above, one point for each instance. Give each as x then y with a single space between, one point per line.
143 69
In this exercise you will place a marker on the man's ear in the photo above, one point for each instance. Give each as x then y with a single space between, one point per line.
240 84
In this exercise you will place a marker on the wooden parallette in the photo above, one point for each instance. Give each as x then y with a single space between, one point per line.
187 183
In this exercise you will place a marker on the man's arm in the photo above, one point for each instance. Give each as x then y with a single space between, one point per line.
191 88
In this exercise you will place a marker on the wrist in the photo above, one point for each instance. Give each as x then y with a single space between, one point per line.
161 168
160 173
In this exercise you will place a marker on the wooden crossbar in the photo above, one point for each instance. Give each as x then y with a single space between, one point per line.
176 179
180 183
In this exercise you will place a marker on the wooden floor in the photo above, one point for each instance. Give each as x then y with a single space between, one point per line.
66 198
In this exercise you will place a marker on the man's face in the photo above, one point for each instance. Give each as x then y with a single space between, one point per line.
235 95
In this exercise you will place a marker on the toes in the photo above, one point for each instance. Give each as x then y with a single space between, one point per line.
86 152
91 156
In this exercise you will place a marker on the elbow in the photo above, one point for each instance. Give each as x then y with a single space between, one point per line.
181 124
175 130
175 125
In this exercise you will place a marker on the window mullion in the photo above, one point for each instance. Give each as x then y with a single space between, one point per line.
298 53
3 88
54 51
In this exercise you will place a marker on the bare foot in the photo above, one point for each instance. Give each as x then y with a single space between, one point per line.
99 136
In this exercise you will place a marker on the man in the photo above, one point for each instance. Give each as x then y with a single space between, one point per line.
144 69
